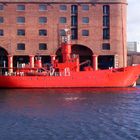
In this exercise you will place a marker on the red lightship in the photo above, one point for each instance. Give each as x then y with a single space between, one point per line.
67 73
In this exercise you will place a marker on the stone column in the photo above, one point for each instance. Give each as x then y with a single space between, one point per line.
95 62
10 63
53 57
32 61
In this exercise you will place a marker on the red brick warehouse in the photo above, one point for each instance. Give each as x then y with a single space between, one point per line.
34 27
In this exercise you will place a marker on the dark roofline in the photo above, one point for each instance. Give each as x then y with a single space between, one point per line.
66 2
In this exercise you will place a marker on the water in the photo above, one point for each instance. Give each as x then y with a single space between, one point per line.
70 114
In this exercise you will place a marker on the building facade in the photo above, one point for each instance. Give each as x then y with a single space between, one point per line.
36 27
133 54
133 46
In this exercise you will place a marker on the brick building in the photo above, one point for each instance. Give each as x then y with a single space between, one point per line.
133 53
34 27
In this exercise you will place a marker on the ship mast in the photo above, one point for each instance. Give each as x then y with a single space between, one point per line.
66 46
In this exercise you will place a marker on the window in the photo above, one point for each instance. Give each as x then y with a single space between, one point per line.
106 21
85 7
74 34
20 20
85 32
1 19
74 21
20 7
62 20
106 9
85 20
43 32
42 7
63 7
42 20
74 9
62 33
106 34
20 46
1 7
21 32
1 32
106 46
42 46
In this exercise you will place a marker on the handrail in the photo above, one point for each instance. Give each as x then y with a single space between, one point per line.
85 62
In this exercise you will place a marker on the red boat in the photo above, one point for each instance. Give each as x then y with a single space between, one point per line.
67 73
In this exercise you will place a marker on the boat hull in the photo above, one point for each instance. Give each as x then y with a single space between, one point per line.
124 77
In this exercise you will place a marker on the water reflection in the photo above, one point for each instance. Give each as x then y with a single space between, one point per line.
70 114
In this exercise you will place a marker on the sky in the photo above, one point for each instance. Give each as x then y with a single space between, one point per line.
133 20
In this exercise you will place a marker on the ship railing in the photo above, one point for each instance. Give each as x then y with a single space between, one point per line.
3 71
17 72
12 74
135 64
39 74
74 56
88 62
65 73
11 71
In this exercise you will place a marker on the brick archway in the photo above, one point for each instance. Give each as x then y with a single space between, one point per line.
84 53
3 57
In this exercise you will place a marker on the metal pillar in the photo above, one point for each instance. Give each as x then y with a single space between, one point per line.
77 64
38 62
